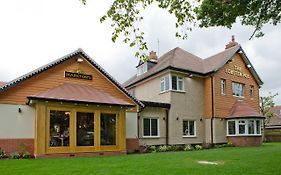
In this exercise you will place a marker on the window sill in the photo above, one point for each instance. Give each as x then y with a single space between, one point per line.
189 136
150 137
178 91
244 135
238 96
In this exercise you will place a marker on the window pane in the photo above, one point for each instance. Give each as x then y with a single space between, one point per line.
242 127
59 128
237 89
185 128
146 127
180 84
258 126
191 128
154 127
108 129
251 127
174 83
162 85
231 127
85 129
167 84
222 86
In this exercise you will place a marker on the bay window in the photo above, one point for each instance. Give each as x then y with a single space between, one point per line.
244 127
171 82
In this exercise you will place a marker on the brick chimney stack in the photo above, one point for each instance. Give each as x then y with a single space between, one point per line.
231 43
152 56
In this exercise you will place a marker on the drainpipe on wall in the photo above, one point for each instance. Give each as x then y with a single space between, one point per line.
213 110
167 126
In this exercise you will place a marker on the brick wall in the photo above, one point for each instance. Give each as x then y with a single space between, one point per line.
245 140
132 145
11 145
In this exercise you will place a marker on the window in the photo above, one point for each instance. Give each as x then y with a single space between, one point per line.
251 91
85 129
171 83
177 83
231 127
142 69
59 128
189 128
222 86
165 83
244 127
150 127
237 89
108 129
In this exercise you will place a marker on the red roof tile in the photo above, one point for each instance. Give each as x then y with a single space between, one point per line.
79 93
241 109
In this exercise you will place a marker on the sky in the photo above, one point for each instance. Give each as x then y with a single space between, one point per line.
34 33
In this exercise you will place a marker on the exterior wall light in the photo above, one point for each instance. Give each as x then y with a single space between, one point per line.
249 66
19 110
79 60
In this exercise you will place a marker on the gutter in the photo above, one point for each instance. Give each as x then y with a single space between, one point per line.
167 126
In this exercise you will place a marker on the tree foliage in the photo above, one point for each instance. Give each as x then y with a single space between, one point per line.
125 16
266 103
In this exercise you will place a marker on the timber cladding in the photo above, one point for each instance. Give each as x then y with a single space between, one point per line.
55 76
233 71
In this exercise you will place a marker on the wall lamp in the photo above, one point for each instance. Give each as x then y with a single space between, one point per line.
19 110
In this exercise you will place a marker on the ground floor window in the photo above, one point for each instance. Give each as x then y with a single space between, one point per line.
150 127
85 129
244 127
189 128
108 129
59 128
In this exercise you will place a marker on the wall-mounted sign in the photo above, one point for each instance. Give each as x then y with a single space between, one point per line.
237 71
78 75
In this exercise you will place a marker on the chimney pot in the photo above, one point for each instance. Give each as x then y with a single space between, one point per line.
231 43
152 56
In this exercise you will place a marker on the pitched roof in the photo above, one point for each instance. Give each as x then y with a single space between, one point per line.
79 93
179 59
241 109
276 119
62 59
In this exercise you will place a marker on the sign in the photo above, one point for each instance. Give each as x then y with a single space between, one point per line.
237 71
78 75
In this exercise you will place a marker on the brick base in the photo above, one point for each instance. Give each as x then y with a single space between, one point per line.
132 145
11 145
104 153
245 140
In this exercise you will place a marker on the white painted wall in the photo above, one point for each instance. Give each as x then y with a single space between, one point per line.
131 125
14 124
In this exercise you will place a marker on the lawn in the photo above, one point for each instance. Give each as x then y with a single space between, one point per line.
237 161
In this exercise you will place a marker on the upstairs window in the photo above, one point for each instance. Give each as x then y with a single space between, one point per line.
165 83
223 86
237 89
251 91
142 69
177 83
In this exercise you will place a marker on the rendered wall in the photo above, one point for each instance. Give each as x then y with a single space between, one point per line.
15 125
131 125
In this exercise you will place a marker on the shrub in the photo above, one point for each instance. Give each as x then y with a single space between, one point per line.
2 153
15 155
153 149
163 148
188 148
198 147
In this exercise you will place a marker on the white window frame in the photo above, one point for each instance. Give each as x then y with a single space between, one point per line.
169 86
187 120
235 88
142 69
158 129
223 86
246 127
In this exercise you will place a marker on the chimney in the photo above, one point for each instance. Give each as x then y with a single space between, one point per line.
152 56
231 43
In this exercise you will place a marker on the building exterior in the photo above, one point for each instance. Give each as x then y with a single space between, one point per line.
273 126
212 100
70 106
73 106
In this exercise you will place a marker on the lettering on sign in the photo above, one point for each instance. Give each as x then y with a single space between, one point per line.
237 71
78 75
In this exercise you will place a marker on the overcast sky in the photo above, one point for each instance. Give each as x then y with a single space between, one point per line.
34 33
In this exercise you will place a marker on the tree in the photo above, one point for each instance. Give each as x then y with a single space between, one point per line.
266 103
126 17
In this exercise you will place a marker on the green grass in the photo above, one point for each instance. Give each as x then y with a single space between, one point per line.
237 161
